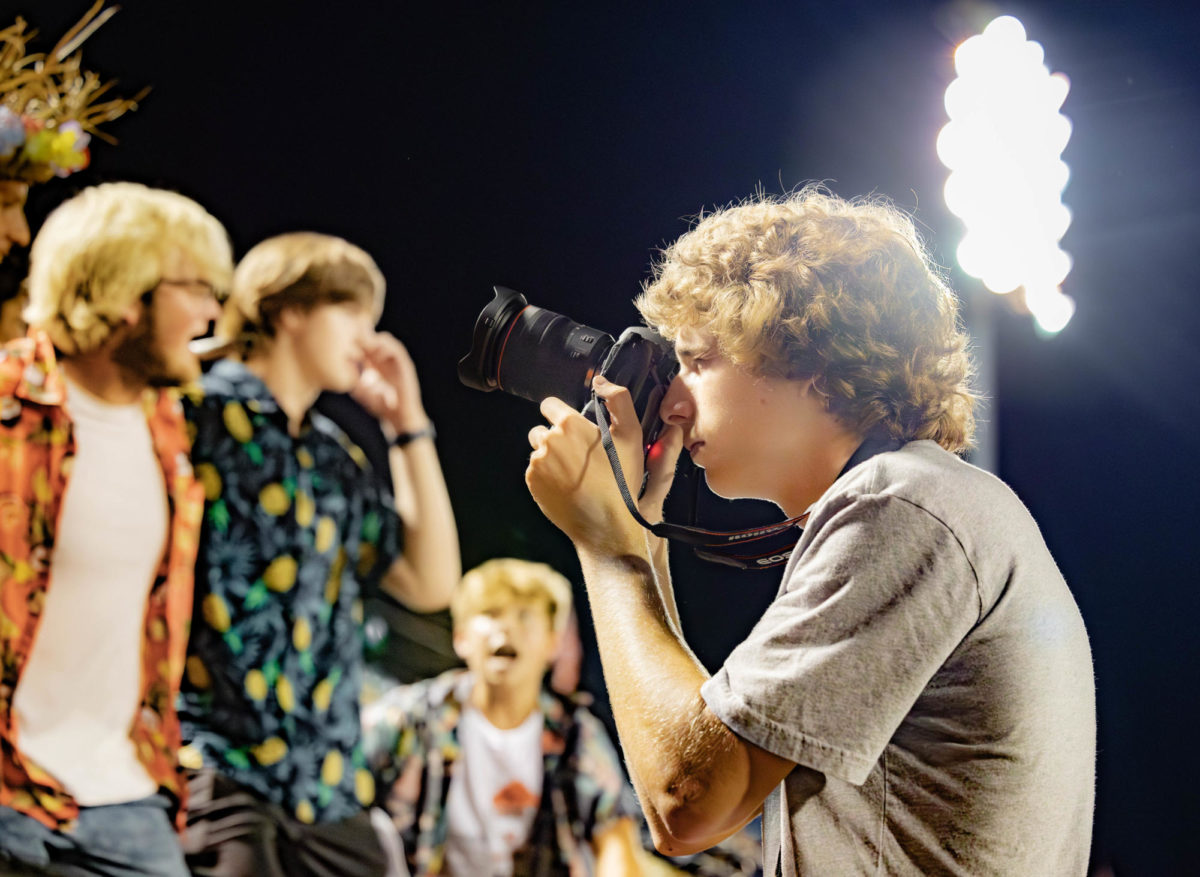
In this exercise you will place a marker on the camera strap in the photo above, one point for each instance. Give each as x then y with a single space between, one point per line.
754 548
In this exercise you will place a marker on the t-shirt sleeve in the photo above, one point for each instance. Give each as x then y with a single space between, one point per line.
876 602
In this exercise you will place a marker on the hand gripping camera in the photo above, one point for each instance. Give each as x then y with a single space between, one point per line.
534 353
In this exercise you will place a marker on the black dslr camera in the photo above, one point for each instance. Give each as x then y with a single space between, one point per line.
534 353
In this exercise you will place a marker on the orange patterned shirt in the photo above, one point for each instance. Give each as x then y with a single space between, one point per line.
36 451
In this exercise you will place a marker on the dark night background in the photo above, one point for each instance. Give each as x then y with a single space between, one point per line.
552 147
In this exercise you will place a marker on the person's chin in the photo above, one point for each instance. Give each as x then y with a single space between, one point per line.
720 485
495 676
342 383
184 368
500 664
173 372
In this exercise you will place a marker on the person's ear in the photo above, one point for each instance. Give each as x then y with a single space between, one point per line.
459 642
812 390
289 320
132 315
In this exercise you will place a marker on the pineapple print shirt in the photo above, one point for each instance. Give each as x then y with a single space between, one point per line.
294 528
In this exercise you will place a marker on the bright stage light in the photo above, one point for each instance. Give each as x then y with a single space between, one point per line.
1003 146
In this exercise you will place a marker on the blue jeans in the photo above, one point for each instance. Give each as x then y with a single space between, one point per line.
118 840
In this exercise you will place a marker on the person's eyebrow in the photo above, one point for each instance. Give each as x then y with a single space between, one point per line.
692 352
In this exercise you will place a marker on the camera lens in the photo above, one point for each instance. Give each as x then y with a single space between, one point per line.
532 352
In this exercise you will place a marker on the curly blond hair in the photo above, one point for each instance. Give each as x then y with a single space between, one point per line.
500 581
300 269
102 250
813 286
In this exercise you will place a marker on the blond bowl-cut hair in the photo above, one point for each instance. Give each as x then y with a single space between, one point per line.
296 270
811 286
102 250
502 580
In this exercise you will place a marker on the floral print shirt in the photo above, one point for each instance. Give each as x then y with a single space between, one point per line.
294 527
412 743
37 448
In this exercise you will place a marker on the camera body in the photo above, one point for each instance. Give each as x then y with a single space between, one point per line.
533 353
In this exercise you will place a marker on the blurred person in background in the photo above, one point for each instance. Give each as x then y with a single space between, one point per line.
296 527
488 772
99 522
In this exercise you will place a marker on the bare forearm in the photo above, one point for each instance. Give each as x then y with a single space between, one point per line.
660 563
679 755
658 549
697 780
431 552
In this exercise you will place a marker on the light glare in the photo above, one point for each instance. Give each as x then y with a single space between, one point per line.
1003 145
1052 311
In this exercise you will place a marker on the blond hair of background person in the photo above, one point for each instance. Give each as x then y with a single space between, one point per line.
486 770
96 580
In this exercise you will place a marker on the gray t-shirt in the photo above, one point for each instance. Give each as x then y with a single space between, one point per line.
926 657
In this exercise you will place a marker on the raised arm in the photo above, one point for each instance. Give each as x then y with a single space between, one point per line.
425 576
698 782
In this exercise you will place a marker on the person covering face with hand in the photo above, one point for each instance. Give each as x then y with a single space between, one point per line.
296 526
919 697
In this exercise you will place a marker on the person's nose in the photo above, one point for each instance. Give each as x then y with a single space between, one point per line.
676 408
211 309
503 629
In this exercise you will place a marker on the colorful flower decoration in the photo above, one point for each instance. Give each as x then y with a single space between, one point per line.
48 104
63 149
12 132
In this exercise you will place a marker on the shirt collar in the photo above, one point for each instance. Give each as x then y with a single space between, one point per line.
233 377
244 384
457 694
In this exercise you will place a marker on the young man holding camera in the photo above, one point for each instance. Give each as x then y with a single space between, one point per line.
919 697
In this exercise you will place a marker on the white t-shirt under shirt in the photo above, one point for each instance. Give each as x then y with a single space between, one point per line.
926 657
493 795
81 685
